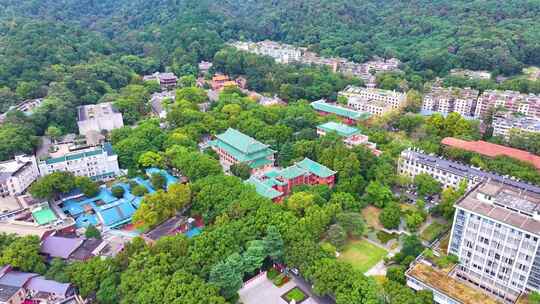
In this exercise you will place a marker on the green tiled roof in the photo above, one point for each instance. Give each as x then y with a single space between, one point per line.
292 172
73 156
259 163
43 215
263 189
321 105
241 141
341 129
315 168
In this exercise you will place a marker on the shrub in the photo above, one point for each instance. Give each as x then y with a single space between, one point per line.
139 190
272 273
280 280
158 181
385 237
118 191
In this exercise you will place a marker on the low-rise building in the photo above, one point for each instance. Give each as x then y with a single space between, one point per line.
234 147
448 100
74 249
98 118
205 66
496 236
276 184
450 173
511 101
424 275
503 124
492 150
17 175
351 136
158 102
347 115
97 163
471 74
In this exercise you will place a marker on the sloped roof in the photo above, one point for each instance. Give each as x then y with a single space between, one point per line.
60 247
241 141
321 105
16 278
315 168
339 128
263 189
492 150
40 284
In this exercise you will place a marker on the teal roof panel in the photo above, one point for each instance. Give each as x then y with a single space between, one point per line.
315 168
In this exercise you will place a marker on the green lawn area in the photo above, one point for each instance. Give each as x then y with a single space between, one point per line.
432 231
294 294
362 255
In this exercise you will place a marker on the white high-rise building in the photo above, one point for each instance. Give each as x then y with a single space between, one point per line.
495 234
17 175
97 163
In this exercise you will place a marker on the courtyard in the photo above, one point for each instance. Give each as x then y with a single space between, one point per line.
262 291
362 254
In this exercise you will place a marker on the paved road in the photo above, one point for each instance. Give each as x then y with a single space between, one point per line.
306 286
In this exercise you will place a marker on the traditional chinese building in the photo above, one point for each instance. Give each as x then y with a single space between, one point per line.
236 147
277 184
351 136
347 115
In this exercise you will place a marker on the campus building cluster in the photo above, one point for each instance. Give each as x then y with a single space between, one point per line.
449 100
495 235
352 136
511 101
373 101
505 124
286 54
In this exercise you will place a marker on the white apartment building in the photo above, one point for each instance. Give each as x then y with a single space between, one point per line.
97 163
496 234
371 100
99 117
503 124
448 100
17 175
511 101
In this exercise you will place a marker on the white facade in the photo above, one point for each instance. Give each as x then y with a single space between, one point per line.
449 100
495 234
373 101
512 101
98 117
17 175
503 125
97 163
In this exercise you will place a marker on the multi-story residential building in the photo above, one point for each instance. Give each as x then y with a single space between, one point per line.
502 124
496 234
449 173
17 175
282 53
351 136
234 147
97 118
347 115
448 100
277 184
285 53
373 101
165 80
511 101
97 163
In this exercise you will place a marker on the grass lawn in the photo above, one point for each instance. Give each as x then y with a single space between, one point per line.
371 216
294 294
362 255
432 231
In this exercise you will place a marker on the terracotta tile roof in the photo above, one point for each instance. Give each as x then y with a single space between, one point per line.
492 150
